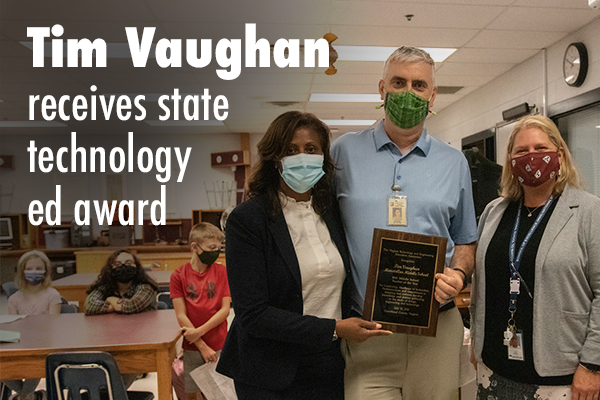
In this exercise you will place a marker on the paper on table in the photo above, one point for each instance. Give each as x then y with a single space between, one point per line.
10 318
212 384
9 336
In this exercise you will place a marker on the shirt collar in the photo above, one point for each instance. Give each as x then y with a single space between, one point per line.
382 139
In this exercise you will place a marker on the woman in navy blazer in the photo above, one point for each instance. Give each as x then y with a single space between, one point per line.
284 339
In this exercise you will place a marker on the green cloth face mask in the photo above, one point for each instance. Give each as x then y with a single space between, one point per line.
405 109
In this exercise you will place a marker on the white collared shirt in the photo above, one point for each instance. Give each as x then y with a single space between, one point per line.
321 265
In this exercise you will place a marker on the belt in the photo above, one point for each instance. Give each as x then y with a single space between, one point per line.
448 306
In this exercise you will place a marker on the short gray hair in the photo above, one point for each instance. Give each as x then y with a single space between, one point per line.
411 55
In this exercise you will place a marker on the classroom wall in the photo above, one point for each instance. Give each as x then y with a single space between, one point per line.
482 109
181 198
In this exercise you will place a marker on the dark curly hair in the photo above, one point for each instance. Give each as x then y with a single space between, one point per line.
108 286
273 147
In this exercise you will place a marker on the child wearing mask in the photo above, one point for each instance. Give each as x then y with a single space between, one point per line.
35 296
122 287
201 300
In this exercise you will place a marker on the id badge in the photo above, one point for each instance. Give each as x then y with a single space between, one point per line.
515 350
515 285
397 211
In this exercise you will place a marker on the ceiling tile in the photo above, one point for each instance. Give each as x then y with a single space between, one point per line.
109 31
396 36
359 67
542 19
274 79
259 11
352 89
513 56
490 35
14 49
254 89
515 39
41 88
342 78
64 10
462 80
445 2
362 13
473 69
552 3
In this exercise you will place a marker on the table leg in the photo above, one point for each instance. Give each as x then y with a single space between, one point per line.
163 369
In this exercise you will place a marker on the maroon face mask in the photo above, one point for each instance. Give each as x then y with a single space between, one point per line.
533 169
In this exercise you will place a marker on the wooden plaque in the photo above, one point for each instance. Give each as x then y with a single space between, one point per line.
401 281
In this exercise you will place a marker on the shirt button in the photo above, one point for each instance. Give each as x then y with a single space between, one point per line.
398 177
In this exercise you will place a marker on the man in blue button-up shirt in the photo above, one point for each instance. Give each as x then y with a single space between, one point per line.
434 182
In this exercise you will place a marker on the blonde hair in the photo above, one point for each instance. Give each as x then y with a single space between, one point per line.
204 230
21 264
567 174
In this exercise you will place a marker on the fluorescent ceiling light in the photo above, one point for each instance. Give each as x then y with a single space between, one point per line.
376 53
184 123
113 50
598 127
349 122
345 53
30 124
152 97
345 98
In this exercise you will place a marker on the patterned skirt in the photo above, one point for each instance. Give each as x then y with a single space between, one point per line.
491 386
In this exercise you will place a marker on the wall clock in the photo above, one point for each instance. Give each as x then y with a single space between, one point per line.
575 64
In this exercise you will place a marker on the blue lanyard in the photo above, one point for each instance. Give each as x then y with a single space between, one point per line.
515 262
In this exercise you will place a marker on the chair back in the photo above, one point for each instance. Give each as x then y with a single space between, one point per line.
161 306
68 309
9 288
165 297
69 375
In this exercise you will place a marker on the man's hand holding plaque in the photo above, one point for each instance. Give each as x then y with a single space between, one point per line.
449 284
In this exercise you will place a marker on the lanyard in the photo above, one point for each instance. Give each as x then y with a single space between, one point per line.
515 262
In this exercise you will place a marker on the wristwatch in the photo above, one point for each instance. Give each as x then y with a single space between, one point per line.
464 276
335 336
590 367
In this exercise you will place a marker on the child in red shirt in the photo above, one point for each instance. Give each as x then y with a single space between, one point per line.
201 300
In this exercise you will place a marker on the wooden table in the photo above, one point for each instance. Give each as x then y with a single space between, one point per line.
74 287
142 342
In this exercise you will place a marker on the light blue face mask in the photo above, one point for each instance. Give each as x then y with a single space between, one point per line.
302 171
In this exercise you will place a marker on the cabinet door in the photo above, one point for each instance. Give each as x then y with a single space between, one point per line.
91 261
172 263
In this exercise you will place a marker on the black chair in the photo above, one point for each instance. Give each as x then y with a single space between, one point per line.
9 288
90 375
161 305
5 391
68 309
165 297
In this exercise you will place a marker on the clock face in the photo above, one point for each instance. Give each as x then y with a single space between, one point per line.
575 64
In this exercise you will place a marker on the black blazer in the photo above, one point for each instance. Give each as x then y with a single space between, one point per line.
269 333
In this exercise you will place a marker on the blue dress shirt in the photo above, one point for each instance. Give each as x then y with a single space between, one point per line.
434 176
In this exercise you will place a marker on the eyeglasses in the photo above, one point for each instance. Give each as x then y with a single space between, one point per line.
129 263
